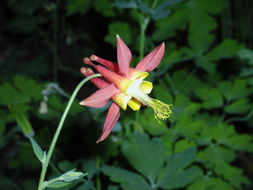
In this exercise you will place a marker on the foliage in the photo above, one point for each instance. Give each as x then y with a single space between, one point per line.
206 73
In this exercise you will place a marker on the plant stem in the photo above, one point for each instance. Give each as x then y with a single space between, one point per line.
98 183
143 26
58 130
144 21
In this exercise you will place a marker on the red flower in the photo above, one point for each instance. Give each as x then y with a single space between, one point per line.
124 85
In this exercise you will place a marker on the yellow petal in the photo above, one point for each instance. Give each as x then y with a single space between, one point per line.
134 104
134 74
122 100
146 87
124 84
118 98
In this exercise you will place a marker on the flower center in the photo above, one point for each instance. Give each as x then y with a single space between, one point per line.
161 110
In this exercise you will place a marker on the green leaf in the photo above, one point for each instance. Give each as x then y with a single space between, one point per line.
168 140
198 16
184 82
221 132
167 27
22 120
126 4
210 183
163 10
113 187
189 128
240 142
65 165
239 106
162 92
90 166
10 95
128 180
147 161
57 184
182 112
38 151
149 123
104 7
246 72
217 153
199 30
211 97
168 62
64 179
182 101
21 90
226 49
87 185
225 88
122 29
71 175
174 175
25 125
232 174
205 64
237 89
28 87
226 135
78 6
201 23
246 54
183 145
204 135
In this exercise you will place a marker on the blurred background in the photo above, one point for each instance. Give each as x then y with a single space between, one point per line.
206 73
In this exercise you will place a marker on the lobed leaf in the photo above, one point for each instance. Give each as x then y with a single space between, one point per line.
147 161
239 106
174 175
232 174
128 180
210 183
211 97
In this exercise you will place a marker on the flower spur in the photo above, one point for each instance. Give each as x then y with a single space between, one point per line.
124 85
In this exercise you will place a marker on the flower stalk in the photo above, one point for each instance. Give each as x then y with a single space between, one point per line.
58 130
144 21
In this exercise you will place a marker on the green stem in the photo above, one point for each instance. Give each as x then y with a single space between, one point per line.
98 183
58 130
144 21
143 26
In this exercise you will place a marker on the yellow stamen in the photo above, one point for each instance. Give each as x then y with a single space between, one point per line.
162 111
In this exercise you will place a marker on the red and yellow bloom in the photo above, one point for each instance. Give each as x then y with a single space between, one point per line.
124 85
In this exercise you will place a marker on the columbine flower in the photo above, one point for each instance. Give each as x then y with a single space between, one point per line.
124 85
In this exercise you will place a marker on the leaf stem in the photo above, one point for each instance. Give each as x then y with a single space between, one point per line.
58 130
